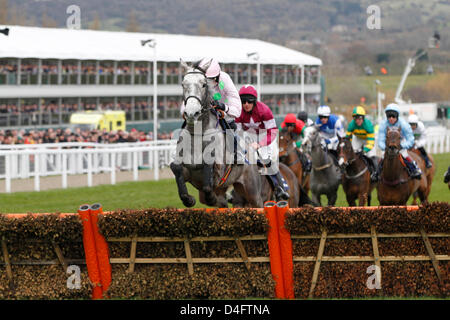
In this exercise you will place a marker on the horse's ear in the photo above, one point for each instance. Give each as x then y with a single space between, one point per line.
184 65
206 66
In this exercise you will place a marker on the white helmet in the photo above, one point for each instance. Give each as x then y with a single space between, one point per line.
324 111
413 118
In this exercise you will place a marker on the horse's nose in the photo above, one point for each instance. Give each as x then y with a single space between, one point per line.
191 116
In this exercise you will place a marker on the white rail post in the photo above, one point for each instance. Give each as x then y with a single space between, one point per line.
7 173
447 149
37 165
25 166
135 166
113 168
89 169
64 170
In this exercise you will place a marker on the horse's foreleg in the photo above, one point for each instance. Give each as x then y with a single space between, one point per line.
362 199
210 197
316 199
332 198
177 169
351 200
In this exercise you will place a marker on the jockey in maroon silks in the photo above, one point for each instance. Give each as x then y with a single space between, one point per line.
258 118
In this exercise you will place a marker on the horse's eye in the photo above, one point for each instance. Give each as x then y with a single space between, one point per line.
204 85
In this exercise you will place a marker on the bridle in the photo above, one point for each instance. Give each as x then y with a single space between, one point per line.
349 162
203 101
392 145
290 148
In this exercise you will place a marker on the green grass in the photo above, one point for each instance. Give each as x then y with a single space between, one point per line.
159 194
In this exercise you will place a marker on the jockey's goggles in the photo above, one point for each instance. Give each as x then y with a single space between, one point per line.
290 124
248 99
358 117
391 115
323 117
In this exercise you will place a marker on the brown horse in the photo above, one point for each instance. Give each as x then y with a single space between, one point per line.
267 192
289 155
395 186
356 178
428 172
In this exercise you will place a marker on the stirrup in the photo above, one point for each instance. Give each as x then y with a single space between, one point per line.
281 194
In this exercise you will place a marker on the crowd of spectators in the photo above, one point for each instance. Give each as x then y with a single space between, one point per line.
53 107
67 135
167 72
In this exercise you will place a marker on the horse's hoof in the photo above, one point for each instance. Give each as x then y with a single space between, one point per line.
210 199
188 200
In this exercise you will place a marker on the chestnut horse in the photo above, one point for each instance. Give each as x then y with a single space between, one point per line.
429 175
289 155
395 186
356 178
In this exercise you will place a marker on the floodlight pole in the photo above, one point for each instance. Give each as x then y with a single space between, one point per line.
255 56
152 43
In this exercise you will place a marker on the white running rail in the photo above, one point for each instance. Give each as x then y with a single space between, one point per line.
35 161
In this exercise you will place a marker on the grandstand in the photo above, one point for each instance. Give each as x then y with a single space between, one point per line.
46 74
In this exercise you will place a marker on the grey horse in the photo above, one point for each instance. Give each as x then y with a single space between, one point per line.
203 158
325 175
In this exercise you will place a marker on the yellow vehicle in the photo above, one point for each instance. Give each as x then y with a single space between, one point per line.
90 120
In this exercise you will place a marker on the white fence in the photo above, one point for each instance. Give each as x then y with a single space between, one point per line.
35 161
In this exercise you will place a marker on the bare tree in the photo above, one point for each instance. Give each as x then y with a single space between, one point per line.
4 12
48 22
95 24
133 25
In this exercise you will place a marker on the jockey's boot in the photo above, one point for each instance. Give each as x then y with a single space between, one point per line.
306 163
371 165
424 154
447 176
413 170
376 173
334 156
279 186
428 163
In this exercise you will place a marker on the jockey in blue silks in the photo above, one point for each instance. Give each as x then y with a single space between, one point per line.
331 129
393 120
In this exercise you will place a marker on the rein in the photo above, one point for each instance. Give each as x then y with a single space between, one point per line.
292 149
393 183
359 174
356 175
322 167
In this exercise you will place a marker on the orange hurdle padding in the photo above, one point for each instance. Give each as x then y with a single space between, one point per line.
90 252
273 242
102 249
285 250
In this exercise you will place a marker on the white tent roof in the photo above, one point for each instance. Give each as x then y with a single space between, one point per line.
46 43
